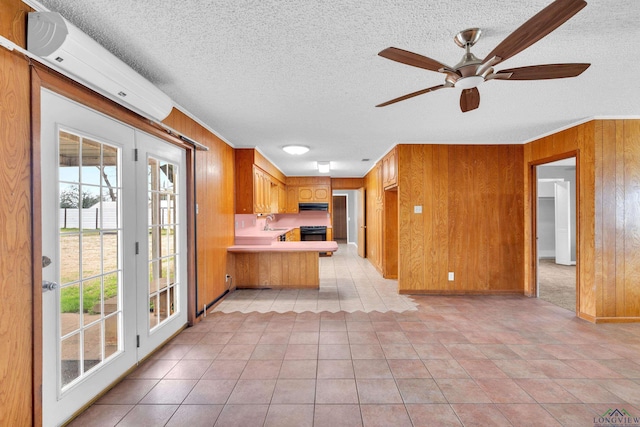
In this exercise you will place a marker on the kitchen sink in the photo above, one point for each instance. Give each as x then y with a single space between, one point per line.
275 229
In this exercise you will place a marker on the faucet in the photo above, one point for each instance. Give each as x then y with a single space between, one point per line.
266 221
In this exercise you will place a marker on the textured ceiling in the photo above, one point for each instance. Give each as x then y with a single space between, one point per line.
267 73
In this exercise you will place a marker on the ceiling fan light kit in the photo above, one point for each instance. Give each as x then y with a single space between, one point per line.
472 71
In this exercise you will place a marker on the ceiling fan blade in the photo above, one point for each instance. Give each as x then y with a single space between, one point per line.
411 95
543 72
469 99
413 59
537 27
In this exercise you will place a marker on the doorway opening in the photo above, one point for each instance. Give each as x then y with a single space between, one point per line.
556 233
346 217
340 218
116 250
390 234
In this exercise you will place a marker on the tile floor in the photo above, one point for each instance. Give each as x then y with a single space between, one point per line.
347 283
443 361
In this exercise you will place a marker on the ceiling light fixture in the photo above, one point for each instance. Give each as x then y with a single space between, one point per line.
295 150
324 167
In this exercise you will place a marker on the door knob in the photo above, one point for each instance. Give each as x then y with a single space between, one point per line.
49 286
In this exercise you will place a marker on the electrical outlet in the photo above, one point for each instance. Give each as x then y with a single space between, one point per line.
227 277
451 276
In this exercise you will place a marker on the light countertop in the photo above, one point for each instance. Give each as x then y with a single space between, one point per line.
275 246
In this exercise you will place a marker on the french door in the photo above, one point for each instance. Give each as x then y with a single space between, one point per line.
113 230
161 237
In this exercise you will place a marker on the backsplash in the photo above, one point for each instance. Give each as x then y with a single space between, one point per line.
244 222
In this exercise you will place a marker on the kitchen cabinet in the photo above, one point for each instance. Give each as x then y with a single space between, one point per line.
315 193
292 199
261 191
307 189
258 190
374 216
282 198
305 194
293 235
390 169
259 186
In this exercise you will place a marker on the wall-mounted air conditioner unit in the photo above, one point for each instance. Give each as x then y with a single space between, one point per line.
60 43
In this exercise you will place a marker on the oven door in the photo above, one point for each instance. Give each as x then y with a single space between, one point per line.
313 234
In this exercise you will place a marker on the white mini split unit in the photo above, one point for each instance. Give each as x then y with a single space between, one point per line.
60 43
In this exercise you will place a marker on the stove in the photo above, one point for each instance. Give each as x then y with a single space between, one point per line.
313 233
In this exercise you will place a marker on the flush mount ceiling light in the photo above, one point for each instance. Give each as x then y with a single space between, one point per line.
295 150
324 167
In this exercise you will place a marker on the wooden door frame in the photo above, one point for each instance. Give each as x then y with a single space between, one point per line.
42 77
533 202
362 227
390 229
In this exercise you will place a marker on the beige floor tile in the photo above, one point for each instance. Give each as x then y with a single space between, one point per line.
435 360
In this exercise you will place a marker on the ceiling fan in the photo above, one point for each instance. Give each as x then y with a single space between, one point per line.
472 71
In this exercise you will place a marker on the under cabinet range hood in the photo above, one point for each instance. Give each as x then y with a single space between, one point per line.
60 43
313 207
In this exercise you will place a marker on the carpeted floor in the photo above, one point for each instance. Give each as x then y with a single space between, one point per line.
557 284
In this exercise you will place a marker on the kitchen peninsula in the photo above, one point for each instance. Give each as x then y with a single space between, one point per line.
263 261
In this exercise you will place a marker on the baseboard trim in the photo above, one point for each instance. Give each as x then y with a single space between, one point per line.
587 317
617 320
594 319
458 292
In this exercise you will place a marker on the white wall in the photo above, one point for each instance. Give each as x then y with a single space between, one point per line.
566 173
546 227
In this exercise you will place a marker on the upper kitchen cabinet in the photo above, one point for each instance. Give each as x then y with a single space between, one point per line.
316 193
309 189
390 169
292 199
258 183
262 192
282 198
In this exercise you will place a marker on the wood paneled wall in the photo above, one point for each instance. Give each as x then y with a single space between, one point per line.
276 270
617 220
17 399
471 221
299 181
608 229
374 210
214 188
578 141
347 183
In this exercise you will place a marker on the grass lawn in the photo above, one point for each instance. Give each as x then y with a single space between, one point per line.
70 296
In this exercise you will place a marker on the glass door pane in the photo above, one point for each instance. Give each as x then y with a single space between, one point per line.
163 221
90 311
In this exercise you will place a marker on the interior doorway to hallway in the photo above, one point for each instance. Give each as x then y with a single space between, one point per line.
340 218
556 233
